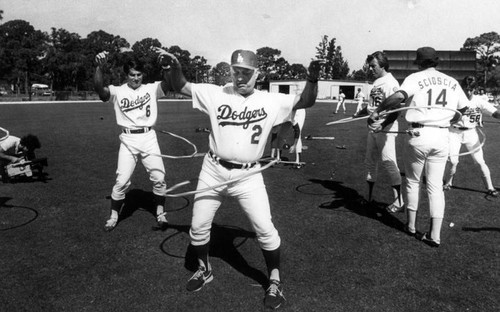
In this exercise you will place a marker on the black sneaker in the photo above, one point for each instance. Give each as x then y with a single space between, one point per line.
274 295
493 193
199 279
426 238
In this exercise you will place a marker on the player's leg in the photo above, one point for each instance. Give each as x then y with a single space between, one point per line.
205 206
126 164
156 170
471 140
414 166
387 141
454 142
434 170
252 197
372 158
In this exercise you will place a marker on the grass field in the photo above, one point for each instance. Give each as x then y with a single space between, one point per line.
337 255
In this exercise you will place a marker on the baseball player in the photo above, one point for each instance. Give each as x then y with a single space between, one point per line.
14 149
341 102
427 88
360 97
463 132
381 146
135 106
241 119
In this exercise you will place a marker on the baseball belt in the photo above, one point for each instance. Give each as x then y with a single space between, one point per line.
230 165
135 131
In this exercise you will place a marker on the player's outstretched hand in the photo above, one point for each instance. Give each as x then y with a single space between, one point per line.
167 60
314 69
101 58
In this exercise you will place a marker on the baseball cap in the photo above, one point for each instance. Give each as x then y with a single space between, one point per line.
244 58
426 54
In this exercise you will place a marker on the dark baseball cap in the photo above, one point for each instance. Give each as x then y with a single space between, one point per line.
244 58
426 54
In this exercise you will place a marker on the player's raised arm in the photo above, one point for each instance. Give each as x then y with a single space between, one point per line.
173 76
99 87
308 96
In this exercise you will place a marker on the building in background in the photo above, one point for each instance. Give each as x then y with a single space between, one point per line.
327 89
456 64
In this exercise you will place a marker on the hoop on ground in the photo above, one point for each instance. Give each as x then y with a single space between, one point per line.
244 176
194 154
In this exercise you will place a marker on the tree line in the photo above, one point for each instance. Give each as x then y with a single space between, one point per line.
65 61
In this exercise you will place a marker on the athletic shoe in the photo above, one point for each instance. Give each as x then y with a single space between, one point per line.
493 193
426 238
199 279
274 295
393 208
409 231
162 221
446 187
110 224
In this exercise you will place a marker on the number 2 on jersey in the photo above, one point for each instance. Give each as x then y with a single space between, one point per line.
440 100
257 132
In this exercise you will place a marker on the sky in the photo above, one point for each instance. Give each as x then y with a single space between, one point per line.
215 28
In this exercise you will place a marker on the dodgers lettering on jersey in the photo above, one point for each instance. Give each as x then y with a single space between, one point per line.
229 117
473 116
136 108
240 125
430 87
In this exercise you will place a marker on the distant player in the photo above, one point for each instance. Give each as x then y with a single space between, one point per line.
381 146
237 142
360 97
463 132
136 111
341 102
427 88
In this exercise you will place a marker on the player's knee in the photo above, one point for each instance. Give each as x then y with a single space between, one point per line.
199 236
269 240
120 188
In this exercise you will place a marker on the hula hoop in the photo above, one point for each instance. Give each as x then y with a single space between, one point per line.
346 120
250 173
6 134
194 154
383 113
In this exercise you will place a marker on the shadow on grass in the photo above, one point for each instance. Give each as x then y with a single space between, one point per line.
3 205
138 199
350 199
224 243
480 229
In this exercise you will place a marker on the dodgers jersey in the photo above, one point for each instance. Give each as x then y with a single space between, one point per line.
136 108
430 87
383 87
473 116
240 125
